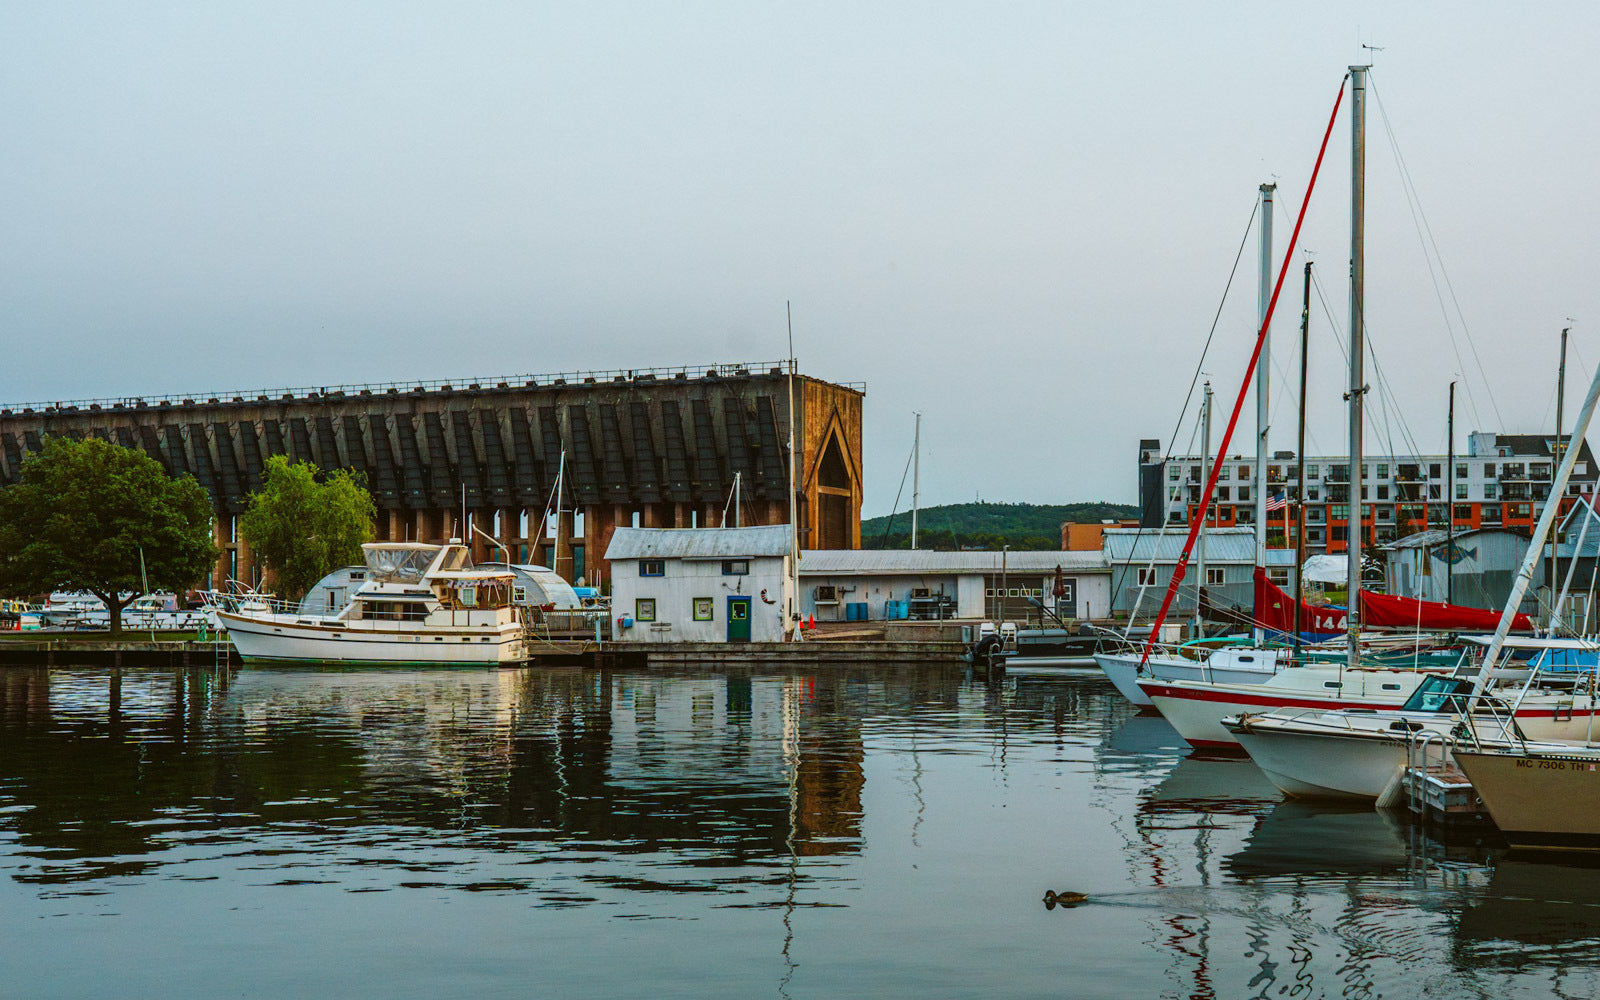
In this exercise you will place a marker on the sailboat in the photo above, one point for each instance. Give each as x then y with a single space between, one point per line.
1144 675
1197 707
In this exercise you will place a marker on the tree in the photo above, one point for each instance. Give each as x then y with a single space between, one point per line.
85 514
304 523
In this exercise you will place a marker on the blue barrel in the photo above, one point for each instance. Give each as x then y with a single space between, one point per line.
855 611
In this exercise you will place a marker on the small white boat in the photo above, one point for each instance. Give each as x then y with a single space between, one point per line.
1231 665
1356 753
78 610
1196 708
420 605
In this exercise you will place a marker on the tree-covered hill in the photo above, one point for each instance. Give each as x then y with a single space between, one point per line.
987 525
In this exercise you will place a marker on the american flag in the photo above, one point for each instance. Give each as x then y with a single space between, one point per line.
1277 501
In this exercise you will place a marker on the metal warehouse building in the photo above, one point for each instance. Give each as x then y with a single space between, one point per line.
923 583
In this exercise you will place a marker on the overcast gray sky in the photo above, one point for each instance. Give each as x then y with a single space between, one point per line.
1017 218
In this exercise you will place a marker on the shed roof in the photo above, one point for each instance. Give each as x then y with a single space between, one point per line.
700 543
908 562
1139 545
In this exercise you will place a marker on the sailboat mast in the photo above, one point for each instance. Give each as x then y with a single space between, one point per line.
1358 349
1450 502
792 608
561 474
1519 583
1200 543
916 477
1264 366
1300 465
1555 497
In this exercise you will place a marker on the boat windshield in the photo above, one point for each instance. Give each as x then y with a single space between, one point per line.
1439 694
398 564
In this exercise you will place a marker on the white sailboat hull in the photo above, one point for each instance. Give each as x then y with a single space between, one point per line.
1196 709
1122 669
1325 766
1339 756
288 638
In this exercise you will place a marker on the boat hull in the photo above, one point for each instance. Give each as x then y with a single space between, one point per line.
1324 765
1546 801
280 639
1196 710
1122 670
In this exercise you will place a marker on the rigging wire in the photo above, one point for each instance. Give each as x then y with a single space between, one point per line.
1419 218
1118 578
896 508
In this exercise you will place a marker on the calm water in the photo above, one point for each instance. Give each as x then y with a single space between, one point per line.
563 833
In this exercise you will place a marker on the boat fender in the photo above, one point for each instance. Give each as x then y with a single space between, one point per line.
1394 791
1053 899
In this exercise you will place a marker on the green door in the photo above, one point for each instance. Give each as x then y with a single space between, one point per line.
738 619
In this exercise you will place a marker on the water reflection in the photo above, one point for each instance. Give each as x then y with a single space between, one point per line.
844 832
102 772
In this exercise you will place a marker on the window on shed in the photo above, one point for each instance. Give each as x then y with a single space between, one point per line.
735 567
644 609
652 567
1215 576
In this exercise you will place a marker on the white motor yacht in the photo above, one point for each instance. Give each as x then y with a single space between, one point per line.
420 605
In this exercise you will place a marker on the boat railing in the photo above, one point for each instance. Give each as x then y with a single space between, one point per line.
249 602
1417 745
1502 717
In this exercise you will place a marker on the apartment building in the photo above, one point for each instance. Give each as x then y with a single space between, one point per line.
1501 481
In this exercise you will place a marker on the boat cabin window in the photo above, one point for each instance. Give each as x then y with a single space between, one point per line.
1439 694
481 593
394 611
403 565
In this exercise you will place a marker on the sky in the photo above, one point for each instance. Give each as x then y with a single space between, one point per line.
1018 219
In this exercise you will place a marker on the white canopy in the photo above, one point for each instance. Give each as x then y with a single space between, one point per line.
1325 569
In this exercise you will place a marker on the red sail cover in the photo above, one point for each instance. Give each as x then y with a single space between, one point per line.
1383 611
1275 610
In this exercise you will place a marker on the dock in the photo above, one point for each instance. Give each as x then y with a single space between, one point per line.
1439 794
64 649
841 647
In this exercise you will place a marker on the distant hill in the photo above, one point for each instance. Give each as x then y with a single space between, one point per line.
987 525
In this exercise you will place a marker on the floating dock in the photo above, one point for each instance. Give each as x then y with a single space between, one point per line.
1442 795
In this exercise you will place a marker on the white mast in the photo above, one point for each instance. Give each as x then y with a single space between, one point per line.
1358 222
916 477
561 472
791 610
1547 517
1263 367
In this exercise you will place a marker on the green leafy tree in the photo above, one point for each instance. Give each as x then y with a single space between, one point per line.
83 514
304 523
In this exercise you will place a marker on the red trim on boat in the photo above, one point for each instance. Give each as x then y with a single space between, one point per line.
1266 701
